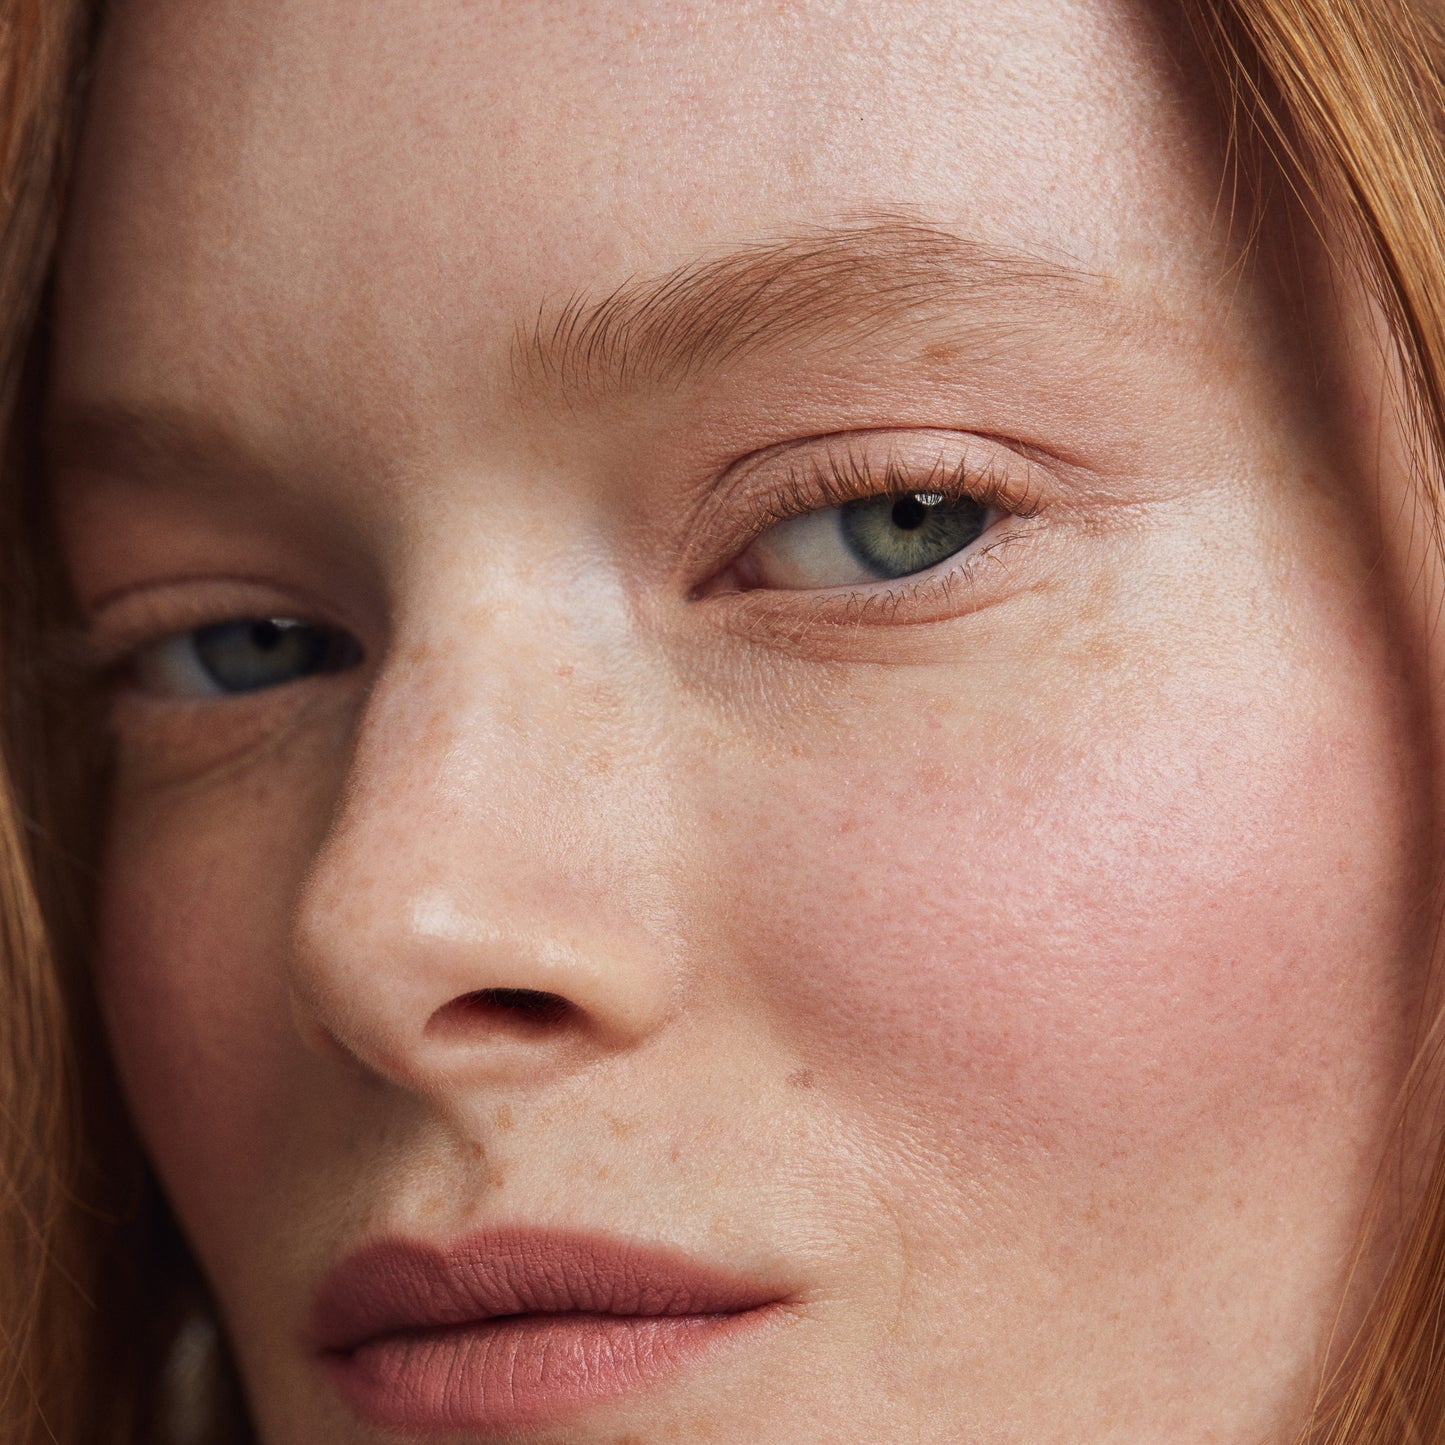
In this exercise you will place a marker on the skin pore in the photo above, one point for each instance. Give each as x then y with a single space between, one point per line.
1008 968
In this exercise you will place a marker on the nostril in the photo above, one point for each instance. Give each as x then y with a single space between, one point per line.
525 1008
531 1003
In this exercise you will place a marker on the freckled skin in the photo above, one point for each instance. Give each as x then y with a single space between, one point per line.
1023 987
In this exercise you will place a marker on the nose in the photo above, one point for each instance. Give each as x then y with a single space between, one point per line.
490 903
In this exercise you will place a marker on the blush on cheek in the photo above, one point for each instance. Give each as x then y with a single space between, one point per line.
193 1002
1132 942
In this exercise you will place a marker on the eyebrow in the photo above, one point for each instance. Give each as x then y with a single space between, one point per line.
852 281
848 282
114 436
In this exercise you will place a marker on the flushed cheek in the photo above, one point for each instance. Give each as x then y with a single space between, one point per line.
194 924
1171 919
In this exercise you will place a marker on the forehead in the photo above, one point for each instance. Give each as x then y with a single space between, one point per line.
398 182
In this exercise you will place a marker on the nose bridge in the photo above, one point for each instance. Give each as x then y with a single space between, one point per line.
492 899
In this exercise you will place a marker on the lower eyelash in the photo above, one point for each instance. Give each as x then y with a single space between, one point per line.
929 597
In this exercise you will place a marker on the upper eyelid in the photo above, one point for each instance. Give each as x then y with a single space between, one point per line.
152 612
972 451
748 490
965 478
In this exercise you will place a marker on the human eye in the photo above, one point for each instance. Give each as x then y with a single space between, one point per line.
882 538
861 514
239 655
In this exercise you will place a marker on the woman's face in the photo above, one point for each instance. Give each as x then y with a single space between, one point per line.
739 961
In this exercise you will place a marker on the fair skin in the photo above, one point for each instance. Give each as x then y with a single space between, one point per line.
1008 971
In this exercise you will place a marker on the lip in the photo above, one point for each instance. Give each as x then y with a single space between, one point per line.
516 1327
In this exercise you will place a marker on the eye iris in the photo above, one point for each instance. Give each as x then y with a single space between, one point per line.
256 652
893 536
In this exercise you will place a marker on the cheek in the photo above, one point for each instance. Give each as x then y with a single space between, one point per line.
194 917
1189 913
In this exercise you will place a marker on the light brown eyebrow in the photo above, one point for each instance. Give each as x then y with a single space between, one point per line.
853 279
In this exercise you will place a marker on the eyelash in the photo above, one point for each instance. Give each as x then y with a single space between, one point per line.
840 476
837 481
837 476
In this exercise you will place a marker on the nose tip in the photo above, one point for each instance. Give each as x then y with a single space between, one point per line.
434 998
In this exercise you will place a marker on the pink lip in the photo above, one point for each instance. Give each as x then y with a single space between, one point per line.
516 1327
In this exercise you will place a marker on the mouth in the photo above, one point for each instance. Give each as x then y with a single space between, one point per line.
511 1328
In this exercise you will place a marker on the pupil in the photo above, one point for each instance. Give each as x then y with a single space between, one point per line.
267 636
909 514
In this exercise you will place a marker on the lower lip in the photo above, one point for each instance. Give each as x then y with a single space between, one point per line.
521 1370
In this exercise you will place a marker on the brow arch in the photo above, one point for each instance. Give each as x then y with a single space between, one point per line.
858 277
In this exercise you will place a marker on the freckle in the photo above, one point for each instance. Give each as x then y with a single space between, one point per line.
801 1079
1103 650
431 1206
931 779
620 1127
476 1151
603 1172
674 1154
565 669
479 614
502 1118
497 1178
941 358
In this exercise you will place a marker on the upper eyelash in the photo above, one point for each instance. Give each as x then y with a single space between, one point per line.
151 614
835 481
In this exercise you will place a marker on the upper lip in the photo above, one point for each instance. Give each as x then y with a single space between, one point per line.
400 1285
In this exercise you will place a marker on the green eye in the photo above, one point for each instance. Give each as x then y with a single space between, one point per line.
244 655
897 536
875 539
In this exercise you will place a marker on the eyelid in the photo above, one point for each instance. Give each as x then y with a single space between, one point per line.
834 622
835 480
152 612
812 473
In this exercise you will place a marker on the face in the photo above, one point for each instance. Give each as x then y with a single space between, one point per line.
767 782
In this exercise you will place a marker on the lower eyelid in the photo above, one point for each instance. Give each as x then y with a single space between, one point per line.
961 585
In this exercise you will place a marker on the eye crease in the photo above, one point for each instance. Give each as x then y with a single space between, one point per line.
241 655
